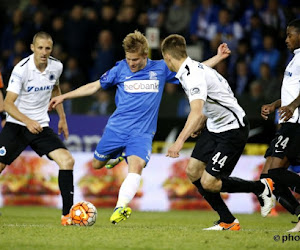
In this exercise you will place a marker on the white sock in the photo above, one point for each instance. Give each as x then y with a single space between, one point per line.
128 189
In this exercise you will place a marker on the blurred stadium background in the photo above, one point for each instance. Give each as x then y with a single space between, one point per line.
87 39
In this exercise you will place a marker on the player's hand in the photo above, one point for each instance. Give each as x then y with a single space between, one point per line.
174 150
286 112
266 110
34 127
63 127
55 101
223 51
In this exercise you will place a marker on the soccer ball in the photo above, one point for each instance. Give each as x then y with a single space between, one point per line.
83 213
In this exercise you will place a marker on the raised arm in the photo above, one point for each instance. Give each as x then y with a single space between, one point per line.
85 90
223 53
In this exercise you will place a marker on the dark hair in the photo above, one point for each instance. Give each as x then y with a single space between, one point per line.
295 23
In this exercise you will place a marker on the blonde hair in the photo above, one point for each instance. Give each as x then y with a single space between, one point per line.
43 35
175 46
136 43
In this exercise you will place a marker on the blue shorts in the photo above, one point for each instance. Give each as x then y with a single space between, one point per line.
113 144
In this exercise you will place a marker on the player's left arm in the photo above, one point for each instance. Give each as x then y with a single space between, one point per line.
223 53
286 112
62 123
195 122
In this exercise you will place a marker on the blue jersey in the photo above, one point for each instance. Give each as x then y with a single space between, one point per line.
138 95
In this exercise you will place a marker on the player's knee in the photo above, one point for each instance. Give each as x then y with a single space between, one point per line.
96 164
209 185
68 163
192 173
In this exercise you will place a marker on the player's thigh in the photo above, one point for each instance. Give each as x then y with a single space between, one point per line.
12 142
110 146
135 164
229 147
45 142
194 169
140 146
267 165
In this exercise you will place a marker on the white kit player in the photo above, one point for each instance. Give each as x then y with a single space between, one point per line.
221 142
284 150
32 83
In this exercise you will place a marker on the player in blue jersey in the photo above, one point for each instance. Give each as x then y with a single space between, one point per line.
140 82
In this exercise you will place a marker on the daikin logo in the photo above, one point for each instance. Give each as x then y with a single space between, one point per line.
287 73
35 89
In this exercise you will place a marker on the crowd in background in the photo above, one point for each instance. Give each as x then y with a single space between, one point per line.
88 40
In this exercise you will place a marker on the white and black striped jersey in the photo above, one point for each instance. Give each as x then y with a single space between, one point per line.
221 107
290 88
34 88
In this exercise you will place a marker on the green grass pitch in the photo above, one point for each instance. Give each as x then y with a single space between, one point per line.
39 228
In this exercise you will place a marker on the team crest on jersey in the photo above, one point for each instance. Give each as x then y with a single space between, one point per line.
2 151
195 91
152 75
51 77
104 76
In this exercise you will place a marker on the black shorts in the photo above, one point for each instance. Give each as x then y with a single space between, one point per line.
286 143
221 151
14 138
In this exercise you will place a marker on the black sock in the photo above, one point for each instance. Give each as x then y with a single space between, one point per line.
216 202
284 196
263 176
285 177
65 182
297 212
237 185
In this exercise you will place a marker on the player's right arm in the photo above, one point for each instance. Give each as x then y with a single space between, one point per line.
195 122
85 90
269 108
10 107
